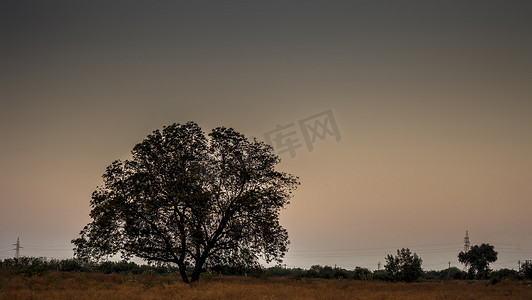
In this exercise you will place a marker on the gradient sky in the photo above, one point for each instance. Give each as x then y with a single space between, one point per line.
433 101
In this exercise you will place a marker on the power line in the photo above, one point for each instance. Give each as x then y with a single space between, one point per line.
377 248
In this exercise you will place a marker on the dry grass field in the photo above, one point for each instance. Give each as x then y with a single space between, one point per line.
58 285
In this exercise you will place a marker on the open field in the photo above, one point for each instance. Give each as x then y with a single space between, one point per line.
57 285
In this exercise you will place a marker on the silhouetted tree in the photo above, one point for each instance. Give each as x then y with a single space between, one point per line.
526 269
478 259
405 266
362 274
191 200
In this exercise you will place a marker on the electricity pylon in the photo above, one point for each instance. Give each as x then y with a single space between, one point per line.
467 244
17 248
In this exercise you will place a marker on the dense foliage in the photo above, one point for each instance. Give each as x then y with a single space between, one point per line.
38 265
405 266
526 269
191 200
478 258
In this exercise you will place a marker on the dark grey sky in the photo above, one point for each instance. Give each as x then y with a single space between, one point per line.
432 100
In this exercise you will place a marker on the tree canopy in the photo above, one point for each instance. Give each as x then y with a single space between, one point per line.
478 259
405 266
526 269
192 200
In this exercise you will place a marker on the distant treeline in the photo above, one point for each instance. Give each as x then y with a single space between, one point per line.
328 272
39 265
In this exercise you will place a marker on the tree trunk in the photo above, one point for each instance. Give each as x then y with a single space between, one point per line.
183 272
197 271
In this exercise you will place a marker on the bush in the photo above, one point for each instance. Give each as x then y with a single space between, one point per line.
26 265
362 274
109 267
382 275
280 271
431 275
453 273
505 274
340 273
73 265
39 265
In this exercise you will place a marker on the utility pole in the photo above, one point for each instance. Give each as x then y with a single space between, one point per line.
17 248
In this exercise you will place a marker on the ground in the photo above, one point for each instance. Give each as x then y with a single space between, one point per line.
58 285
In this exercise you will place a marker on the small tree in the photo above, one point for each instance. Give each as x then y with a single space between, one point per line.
405 266
526 269
478 259
191 200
